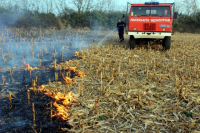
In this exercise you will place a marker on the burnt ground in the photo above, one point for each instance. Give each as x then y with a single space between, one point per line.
18 118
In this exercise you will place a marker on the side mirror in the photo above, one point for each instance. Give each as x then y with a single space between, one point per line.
175 15
123 16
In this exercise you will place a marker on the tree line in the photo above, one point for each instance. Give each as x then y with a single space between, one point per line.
70 17
87 13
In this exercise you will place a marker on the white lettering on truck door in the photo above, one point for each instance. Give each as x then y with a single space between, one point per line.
152 20
160 20
140 20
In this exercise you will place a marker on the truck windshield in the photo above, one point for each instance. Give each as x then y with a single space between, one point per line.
161 11
140 11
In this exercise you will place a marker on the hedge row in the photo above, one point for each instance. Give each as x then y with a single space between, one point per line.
90 19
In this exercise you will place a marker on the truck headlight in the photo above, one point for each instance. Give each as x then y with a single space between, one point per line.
163 29
134 29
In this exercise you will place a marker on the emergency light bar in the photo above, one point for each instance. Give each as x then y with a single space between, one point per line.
151 3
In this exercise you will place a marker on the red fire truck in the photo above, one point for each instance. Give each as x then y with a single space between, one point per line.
151 23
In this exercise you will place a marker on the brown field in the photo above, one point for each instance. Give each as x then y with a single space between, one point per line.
121 90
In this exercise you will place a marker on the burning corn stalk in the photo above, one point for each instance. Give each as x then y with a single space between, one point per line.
67 79
64 101
28 67
80 74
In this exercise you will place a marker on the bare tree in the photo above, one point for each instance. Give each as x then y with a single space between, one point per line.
104 5
179 6
190 7
37 3
88 5
82 5
100 5
194 6
79 5
49 6
110 5
60 6
25 4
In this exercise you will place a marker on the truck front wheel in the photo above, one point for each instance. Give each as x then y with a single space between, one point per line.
167 42
132 42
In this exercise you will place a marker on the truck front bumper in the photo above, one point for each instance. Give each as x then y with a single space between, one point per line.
153 35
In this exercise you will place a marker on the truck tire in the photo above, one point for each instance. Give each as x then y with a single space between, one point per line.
167 42
132 42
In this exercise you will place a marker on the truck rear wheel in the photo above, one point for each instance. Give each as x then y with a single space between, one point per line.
132 42
167 42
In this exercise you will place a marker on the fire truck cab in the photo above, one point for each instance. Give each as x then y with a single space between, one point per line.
151 23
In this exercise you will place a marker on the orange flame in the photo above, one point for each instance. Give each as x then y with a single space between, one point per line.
71 61
58 63
76 53
66 100
29 67
67 80
81 74
71 68
61 111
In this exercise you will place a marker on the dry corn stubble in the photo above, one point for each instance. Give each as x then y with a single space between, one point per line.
140 90
151 101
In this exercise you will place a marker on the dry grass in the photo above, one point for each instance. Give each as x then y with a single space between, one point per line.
140 90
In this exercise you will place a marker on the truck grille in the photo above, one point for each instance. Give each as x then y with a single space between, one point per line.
149 26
